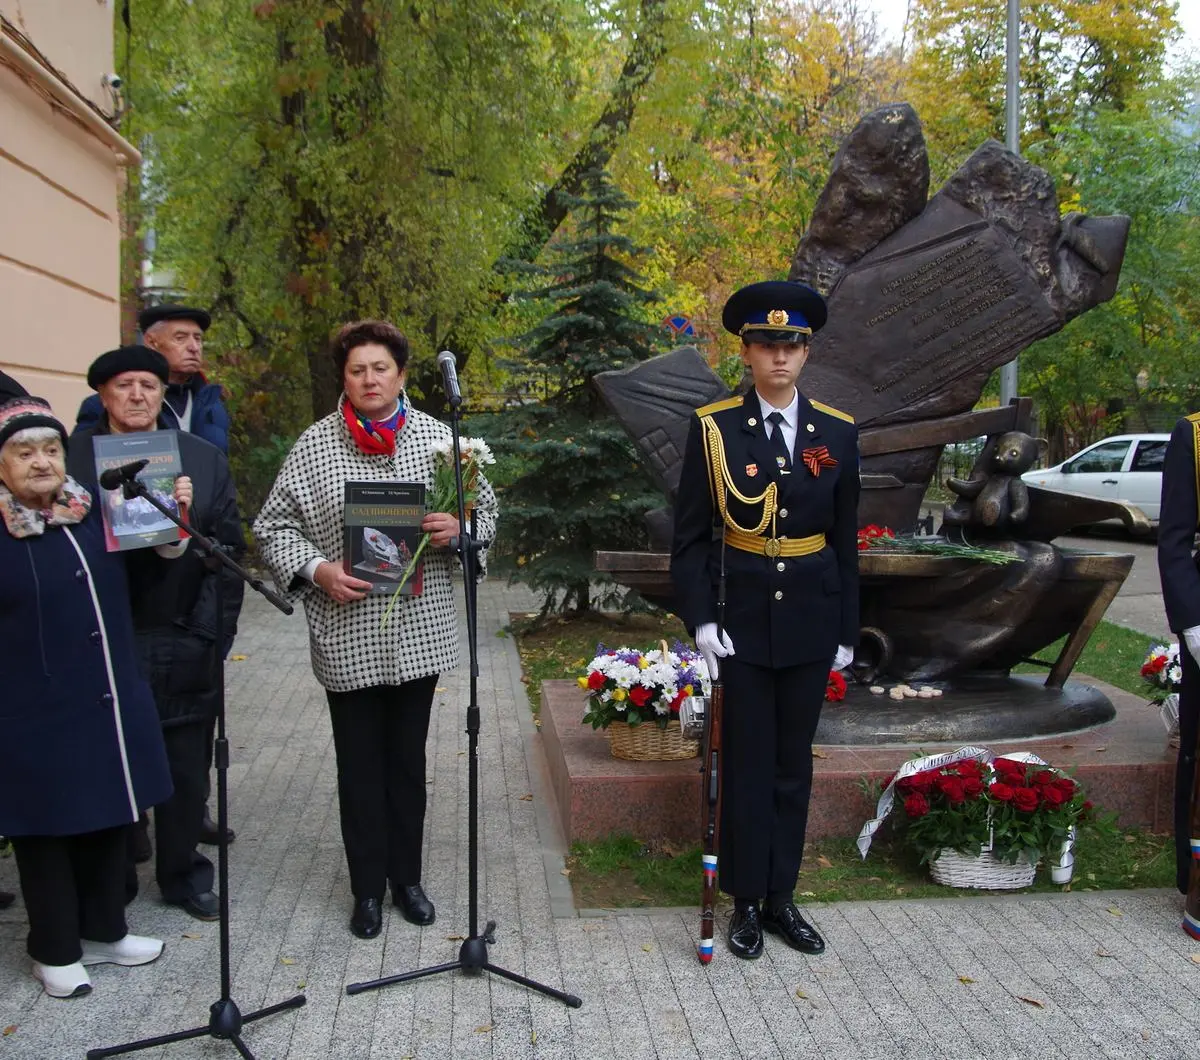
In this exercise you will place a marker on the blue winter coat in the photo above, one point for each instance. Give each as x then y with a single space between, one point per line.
82 745
210 420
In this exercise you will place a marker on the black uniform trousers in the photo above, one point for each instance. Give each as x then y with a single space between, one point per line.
379 736
74 888
1185 766
181 870
769 721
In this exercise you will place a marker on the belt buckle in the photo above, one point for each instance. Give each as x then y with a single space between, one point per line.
772 547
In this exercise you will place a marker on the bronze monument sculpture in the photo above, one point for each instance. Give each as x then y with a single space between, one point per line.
927 297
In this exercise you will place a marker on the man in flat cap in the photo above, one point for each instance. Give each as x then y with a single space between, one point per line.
768 499
191 403
174 611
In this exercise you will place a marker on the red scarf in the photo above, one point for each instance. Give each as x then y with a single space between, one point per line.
374 436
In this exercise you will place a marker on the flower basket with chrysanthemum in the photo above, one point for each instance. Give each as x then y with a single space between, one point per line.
636 696
984 821
1162 670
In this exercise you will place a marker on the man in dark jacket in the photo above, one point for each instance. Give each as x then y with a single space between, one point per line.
191 403
174 612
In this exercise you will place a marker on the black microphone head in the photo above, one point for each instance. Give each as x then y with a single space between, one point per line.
112 478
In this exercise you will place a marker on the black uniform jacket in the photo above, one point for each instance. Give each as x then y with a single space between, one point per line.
791 609
1178 520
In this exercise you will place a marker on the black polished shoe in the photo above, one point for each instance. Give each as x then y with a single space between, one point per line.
367 919
745 931
796 931
209 835
417 909
203 906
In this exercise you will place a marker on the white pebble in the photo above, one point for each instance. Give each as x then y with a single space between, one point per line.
937 692
877 690
926 693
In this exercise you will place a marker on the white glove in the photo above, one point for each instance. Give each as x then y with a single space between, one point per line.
1191 637
712 646
845 656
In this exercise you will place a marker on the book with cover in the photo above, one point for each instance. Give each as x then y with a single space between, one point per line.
382 523
133 522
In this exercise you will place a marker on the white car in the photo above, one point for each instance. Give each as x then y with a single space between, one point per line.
1126 467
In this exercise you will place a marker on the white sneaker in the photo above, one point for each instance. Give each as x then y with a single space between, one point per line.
63 980
129 951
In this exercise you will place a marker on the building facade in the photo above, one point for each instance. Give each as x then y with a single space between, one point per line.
62 171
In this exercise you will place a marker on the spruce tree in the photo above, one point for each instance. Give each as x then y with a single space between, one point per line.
582 487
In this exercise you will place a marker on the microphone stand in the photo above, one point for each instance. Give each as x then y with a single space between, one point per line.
225 1019
472 954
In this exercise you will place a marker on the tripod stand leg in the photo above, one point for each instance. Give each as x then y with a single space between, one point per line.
147 1043
567 999
292 1002
403 977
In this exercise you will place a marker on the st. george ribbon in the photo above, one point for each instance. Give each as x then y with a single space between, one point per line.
115 477
446 363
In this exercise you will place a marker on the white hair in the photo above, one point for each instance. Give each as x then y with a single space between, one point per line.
32 435
157 328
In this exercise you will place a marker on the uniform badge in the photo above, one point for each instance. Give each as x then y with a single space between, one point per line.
751 470
777 317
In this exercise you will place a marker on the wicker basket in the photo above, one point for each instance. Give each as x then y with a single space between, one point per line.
985 870
648 743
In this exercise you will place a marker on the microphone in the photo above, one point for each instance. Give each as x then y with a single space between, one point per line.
445 361
115 477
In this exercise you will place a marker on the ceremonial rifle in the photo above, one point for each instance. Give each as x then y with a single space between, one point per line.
712 786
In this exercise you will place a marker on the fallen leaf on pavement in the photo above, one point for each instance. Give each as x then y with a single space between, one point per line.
565 872
533 1037
287 960
646 947
1115 911
824 862
191 935
1099 750
819 754
1195 958
237 658
1104 953
440 688
801 994
965 979
1031 1001
455 938
10 1029
485 1029
525 798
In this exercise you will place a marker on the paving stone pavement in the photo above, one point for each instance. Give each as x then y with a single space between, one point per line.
1064 975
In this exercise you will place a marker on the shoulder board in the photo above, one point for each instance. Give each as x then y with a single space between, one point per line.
1193 418
718 406
831 411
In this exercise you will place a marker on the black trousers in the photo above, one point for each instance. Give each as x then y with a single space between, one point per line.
769 721
1185 766
74 888
181 870
379 737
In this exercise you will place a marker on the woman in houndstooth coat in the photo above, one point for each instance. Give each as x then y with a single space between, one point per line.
379 679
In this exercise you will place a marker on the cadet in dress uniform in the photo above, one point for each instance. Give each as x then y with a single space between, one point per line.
775 475
1179 520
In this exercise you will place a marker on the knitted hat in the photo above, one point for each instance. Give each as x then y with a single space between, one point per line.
16 414
127 359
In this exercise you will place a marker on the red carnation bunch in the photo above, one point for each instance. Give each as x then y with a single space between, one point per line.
872 536
835 689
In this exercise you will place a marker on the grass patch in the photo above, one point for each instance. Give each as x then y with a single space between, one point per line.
558 647
1113 654
623 872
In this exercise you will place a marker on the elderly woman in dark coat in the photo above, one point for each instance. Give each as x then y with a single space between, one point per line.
83 749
